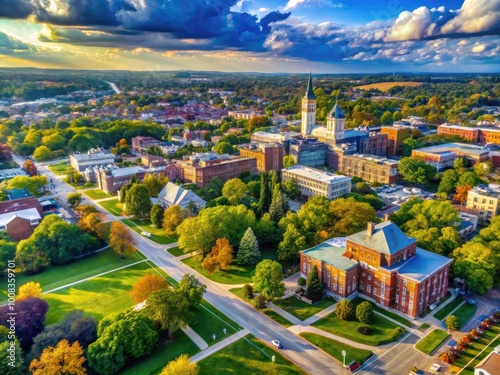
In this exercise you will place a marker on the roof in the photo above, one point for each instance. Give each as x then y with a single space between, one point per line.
316 174
94 155
177 195
331 252
491 363
28 214
454 147
386 238
336 112
309 92
14 194
421 265
127 171
6 174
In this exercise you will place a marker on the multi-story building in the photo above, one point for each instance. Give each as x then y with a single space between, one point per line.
269 156
111 179
485 199
308 151
477 134
395 136
244 114
20 217
94 157
201 168
443 156
375 144
141 144
370 168
383 265
313 182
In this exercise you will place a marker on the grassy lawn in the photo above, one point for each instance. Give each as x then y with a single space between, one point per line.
464 313
88 185
211 321
99 296
236 274
430 342
441 314
57 276
423 327
157 235
383 331
113 206
247 356
59 168
96 194
335 348
152 364
392 315
175 251
427 311
301 309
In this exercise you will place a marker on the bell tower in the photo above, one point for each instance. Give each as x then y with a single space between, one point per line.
308 109
335 122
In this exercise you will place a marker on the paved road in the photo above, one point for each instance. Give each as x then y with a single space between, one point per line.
114 87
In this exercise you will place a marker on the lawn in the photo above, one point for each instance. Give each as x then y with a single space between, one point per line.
57 276
335 348
152 364
211 321
99 296
157 235
236 274
441 314
392 315
427 311
432 341
113 206
59 168
423 327
464 313
383 331
301 309
96 194
175 251
247 356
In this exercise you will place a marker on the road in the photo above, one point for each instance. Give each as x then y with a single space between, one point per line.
114 87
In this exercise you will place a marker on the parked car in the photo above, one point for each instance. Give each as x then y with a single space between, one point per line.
353 366
277 344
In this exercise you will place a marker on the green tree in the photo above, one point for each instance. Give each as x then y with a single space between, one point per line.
191 289
224 148
33 184
293 242
138 201
11 360
7 251
387 118
484 169
291 188
248 291
451 322
448 181
416 171
278 206
461 163
288 161
265 230
234 190
181 366
248 252
74 199
156 215
268 279
364 312
42 153
346 216
345 310
468 179
154 184
265 195
315 287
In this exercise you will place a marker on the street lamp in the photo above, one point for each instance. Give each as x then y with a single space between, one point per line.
343 354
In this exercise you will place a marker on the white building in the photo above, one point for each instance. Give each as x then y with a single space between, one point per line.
313 182
94 157
174 195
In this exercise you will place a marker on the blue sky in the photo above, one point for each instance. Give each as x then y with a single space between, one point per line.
327 36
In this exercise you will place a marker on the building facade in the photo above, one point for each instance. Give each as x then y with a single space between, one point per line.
481 135
269 156
141 144
383 265
308 151
370 168
111 179
443 156
486 200
395 138
94 157
20 217
308 109
314 182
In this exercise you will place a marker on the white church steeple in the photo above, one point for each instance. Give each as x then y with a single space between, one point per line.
308 109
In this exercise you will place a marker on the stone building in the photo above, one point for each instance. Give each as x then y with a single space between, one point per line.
370 168
269 156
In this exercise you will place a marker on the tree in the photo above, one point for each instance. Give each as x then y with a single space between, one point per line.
7 251
30 289
461 163
278 206
156 216
191 289
154 184
63 359
268 279
181 366
74 199
30 168
248 291
293 242
220 258
11 360
260 302
451 322
387 118
234 190
416 171
42 153
265 230
92 223
224 148
168 309
73 176
315 287
462 193
173 217
264 196
291 188
484 169
347 216
364 312
138 201
468 179
120 239
345 310
147 284
32 184
288 161
248 252
448 181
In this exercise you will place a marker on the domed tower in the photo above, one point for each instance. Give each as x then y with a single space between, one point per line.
308 109
335 122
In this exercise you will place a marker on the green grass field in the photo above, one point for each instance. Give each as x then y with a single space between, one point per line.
247 356
211 321
152 364
441 314
96 194
157 235
113 206
59 168
236 274
464 313
57 276
175 251
423 327
427 311
335 348
383 331
301 309
392 315
432 341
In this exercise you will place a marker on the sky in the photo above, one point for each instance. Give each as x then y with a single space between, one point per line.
325 36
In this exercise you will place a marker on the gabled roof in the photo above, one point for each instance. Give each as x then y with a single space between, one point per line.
28 214
491 363
173 194
386 238
336 112
309 92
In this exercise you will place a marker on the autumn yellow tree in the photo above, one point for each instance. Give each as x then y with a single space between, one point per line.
181 366
120 239
462 192
93 223
146 285
63 359
30 289
221 256
173 217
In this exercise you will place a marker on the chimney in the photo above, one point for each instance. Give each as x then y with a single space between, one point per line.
386 217
370 228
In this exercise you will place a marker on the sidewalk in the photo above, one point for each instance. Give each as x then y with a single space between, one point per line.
197 339
319 315
220 345
414 331
285 314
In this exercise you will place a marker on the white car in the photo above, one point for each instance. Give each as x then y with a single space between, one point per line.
277 344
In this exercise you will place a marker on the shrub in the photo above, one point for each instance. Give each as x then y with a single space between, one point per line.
301 281
248 291
451 322
398 332
345 310
364 312
260 302
365 330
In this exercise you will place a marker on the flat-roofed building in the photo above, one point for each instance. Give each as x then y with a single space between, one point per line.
308 151
484 199
92 158
370 168
314 182
443 156
7 174
395 136
476 134
111 179
269 156
20 217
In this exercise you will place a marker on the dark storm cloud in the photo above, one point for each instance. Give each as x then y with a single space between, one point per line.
15 8
270 18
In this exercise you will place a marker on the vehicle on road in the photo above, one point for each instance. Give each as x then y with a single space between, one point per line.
277 344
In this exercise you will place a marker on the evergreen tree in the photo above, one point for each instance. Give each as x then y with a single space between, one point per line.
248 252
279 205
315 288
265 195
273 180
138 201
156 216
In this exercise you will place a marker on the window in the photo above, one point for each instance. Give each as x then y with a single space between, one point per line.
375 291
304 267
404 290
369 288
334 286
403 301
404 282
363 274
369 277
369 257
308 267
362 285
340 288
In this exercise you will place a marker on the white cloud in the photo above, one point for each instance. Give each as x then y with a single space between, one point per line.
475 16
292 4
478 48
411 25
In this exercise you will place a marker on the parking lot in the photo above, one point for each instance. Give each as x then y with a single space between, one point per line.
397 194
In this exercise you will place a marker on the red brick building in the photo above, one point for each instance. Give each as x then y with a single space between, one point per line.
111 180
140 143
481 135
381 264
395 136
20 217
269 156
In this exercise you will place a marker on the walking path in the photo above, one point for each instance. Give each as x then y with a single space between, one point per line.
197 339
285 314
220 345
319 315
414 331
